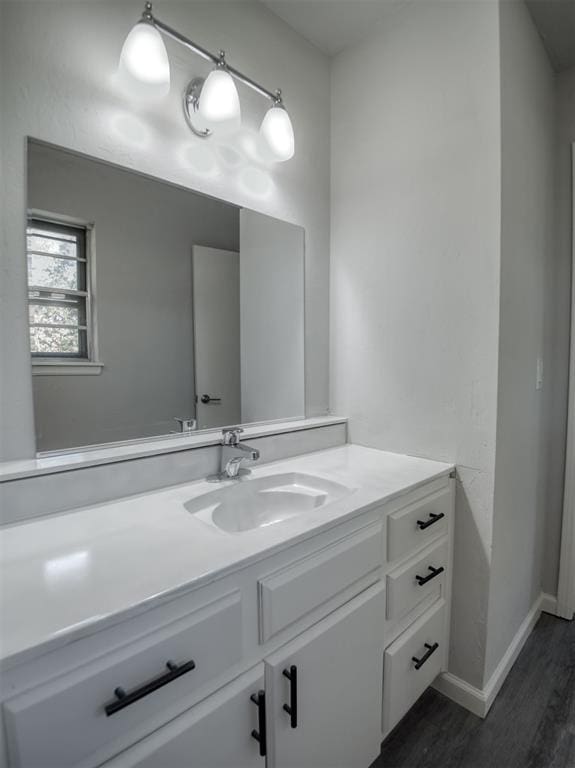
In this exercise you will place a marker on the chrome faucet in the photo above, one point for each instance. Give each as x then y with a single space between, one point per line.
234 452
186 425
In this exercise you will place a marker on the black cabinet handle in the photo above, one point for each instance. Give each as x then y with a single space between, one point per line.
291 708
124 699
421 580
259 699
430 651
433 518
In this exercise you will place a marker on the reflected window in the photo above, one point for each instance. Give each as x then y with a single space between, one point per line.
59 293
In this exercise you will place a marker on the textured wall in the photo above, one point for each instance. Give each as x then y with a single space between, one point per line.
415 263
524 472
59 60
565 138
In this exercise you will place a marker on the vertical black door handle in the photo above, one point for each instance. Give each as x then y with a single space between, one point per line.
291 708
430 650
259 699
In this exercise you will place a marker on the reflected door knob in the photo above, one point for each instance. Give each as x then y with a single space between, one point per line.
207 399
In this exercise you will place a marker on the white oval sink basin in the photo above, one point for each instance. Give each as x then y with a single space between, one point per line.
255 503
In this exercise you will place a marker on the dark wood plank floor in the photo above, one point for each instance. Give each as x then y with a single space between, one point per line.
530 725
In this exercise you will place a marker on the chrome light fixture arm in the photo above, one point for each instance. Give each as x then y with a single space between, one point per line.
215 100
216 59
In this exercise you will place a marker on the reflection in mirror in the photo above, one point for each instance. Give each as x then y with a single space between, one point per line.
154 309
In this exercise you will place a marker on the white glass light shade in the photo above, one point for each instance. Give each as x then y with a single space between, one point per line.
277 130
144 58
219 101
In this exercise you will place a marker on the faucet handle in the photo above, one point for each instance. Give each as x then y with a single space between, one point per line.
231 435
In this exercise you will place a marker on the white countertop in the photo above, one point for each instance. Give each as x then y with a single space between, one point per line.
63 575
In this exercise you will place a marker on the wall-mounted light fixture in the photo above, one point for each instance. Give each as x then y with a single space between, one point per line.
214 99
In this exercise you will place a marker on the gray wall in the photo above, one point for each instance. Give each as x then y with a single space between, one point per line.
526 465
415 264
565 137
59 62
144 234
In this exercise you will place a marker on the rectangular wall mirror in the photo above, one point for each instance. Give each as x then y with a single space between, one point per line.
155 309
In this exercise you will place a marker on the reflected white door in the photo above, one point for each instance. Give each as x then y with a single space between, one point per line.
216 298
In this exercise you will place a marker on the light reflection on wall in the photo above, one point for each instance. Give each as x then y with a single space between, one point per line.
130 129
255 148
255 182
229 155
199 158
238 156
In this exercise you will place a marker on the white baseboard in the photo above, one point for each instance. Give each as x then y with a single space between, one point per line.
479 700
462 693
549 604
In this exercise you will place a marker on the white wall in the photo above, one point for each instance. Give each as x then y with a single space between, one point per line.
144 233
524 472
565 137
415 263
58 61
446 286
271 318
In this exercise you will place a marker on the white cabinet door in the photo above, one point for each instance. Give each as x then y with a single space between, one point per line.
339 669
217 733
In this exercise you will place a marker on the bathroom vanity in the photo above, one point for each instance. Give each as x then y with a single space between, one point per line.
285 618
166 630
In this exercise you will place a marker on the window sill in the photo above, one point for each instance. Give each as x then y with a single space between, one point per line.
65 368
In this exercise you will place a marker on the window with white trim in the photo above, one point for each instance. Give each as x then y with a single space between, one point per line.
59 294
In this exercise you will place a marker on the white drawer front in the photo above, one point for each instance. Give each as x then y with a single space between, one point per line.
403 683
295 591
410 584
216 733
411 528
61 723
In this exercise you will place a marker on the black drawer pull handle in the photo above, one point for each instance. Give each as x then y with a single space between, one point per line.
433 518
259 699
124 699
421 580
291 708
430 651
